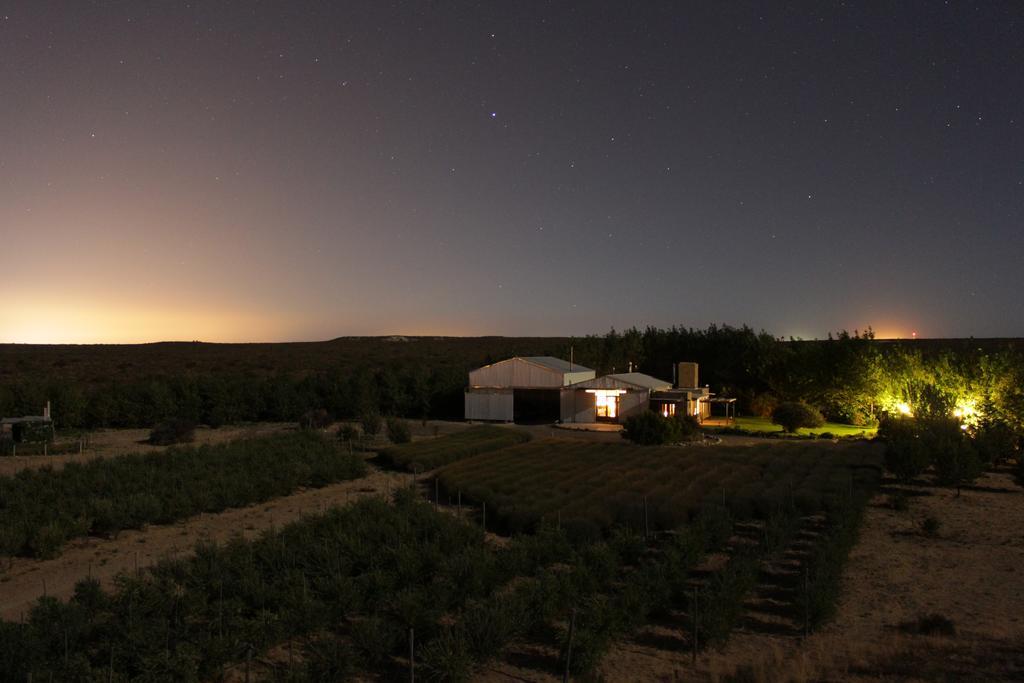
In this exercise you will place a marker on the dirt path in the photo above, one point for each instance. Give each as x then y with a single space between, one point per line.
23 581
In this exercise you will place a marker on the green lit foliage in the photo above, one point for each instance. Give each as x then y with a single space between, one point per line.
906 454
794 415
914 444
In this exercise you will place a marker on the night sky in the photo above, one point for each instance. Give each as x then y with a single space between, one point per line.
261 171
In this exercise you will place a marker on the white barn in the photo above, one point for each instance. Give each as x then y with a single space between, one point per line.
521 389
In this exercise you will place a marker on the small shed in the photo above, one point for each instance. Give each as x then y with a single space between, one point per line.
28 427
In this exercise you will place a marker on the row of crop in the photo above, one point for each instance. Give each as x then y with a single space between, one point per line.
433 453
43 508
654 488
342 588
824 565
604 590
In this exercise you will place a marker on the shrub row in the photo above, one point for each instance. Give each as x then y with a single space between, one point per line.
719 604
43 508
433 453
592 487
915 444
613 585
367 572
824 566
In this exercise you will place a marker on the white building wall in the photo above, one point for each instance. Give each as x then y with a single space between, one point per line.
493 405
578 406
633 402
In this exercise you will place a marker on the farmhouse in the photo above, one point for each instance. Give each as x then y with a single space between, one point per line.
546 389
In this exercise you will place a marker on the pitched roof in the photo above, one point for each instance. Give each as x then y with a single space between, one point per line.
636 380
641 380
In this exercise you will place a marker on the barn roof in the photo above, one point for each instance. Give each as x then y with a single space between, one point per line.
556 364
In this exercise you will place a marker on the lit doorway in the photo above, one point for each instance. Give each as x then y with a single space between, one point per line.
606 403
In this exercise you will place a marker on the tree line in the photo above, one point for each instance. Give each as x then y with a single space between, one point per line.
852 378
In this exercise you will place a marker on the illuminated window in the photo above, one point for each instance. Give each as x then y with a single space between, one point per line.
606 402
668 409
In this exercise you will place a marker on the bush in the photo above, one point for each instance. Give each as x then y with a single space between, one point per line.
796 414
370 422
930 526
398 431
763 405
688 428
649 428
315 419
172 432
347 432
995 442
952 454
906 454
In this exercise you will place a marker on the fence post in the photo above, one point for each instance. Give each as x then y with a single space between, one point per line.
693 640
412 655
807 603
568 649
646 525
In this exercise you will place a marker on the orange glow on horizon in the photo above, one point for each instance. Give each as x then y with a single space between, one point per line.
48 323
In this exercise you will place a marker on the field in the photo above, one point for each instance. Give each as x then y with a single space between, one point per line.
631 563
429 454
593 486
40 509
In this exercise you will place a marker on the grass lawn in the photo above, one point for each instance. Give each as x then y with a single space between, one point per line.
763 424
